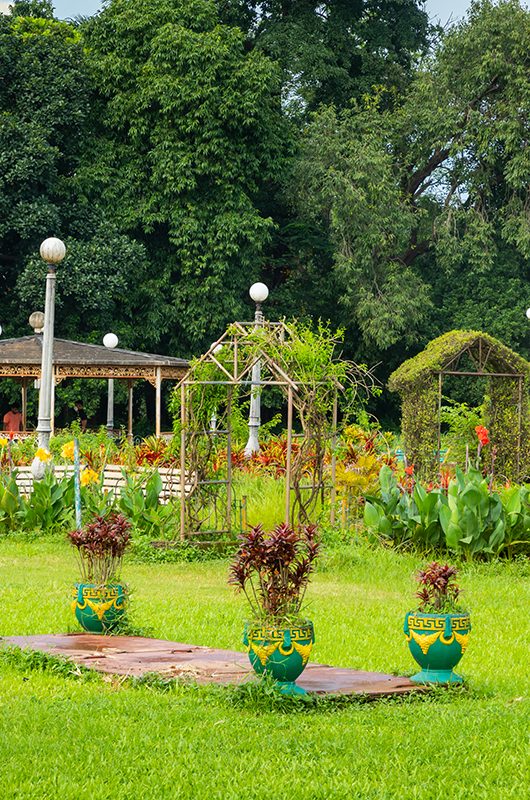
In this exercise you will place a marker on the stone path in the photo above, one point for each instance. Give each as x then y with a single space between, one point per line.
136 655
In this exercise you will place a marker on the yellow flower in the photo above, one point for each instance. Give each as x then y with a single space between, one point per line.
89 476
43 455
68 450
3 442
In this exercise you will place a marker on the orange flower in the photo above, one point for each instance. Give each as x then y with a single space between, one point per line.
482 434
409 470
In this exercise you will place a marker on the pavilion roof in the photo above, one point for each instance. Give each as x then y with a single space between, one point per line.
22 358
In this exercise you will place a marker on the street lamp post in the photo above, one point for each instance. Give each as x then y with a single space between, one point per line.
110 340
52 251
259 293
216 349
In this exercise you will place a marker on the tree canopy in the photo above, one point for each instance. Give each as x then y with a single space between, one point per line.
373 171
445 173
190 130
332 51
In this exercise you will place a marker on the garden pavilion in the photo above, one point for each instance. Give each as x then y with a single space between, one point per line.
21 359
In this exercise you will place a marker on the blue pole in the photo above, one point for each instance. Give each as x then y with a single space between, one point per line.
77 485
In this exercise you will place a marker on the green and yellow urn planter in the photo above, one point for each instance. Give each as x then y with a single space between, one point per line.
280 652
99 609
437 642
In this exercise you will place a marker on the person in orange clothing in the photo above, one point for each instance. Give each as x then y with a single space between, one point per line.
13 420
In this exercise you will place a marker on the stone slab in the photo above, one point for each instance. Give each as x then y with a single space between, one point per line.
137 655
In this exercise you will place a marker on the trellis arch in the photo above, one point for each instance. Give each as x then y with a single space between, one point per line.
419 382
226 371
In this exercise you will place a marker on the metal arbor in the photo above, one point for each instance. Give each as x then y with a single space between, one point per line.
206 397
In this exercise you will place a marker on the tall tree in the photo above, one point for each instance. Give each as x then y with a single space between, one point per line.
331 52
43 119
45 123
444 175
191 129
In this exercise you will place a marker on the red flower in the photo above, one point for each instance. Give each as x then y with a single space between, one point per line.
409 470
482 434
445 479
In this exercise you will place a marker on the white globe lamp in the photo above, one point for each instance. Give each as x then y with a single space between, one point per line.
258 292
52 250
110 340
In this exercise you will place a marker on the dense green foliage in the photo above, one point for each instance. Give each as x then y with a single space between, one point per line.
469 519
160 741
190 130
371 170
442 178
332 51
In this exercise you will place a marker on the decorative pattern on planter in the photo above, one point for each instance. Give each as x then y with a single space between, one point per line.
437 642
425 640
99 608
282 652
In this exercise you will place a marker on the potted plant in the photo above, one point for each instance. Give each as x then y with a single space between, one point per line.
273 570
100 599
438 632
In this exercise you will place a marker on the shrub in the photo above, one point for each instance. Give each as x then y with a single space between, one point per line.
100 547
273 570
438 592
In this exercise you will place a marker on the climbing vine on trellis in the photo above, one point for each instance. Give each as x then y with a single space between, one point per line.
303 363
419 383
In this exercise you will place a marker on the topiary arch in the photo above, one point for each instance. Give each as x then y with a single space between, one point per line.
419 382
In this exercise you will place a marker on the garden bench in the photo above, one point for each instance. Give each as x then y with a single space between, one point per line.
25 477
114 479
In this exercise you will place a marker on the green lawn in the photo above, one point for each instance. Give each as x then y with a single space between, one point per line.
65 738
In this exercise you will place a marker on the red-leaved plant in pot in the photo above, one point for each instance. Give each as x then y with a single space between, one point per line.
273 570
100 599
438 632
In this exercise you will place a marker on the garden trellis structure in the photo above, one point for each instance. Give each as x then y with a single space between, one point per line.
214 383
419 381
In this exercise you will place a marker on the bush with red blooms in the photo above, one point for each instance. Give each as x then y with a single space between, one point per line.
273 570
100 547
438 592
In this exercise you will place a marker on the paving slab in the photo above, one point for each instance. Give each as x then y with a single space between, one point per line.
137 655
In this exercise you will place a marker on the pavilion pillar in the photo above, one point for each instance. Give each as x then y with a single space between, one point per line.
24 403
130 411
158 402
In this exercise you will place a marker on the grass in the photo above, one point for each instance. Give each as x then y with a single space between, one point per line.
87 737
265 499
